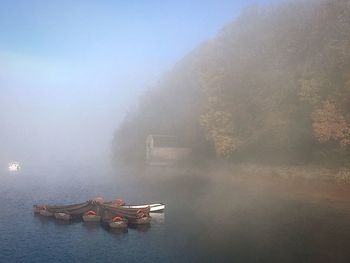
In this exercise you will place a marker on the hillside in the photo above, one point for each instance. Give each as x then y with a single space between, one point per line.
273 86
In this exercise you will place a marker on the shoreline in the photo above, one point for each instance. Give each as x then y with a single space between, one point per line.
311 184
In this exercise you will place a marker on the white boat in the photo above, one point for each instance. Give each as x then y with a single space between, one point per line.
153 207
14 166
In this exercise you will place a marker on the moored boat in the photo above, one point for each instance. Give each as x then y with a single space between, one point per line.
37 208
157 207
141 221
118 222
63 216
69 208
142 218
45 212
91 216
74 210
113 215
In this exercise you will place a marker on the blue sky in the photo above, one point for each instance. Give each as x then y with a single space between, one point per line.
70 69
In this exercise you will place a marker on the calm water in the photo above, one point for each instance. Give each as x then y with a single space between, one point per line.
205 221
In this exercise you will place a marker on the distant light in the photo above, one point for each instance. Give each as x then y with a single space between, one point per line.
14 166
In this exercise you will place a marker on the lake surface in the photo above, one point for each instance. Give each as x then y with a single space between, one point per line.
206 220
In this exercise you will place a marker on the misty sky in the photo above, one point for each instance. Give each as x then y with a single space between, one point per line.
69 70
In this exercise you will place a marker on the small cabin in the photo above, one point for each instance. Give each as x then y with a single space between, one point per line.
165 149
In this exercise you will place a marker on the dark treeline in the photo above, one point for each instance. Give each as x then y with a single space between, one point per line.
273 86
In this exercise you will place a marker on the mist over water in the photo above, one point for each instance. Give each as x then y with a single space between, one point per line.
83 84
226 218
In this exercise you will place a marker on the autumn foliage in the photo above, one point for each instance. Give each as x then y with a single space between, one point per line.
274 85
329 124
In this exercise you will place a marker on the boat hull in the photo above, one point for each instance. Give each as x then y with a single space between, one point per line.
63 216
91 218
141 221
37 208
119 224
44 212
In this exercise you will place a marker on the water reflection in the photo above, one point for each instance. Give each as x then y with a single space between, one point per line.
91 226
118 231
43 219
105 226
158 218
219 220
141 228
62 222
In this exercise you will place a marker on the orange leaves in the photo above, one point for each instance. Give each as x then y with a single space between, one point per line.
218 126
329 124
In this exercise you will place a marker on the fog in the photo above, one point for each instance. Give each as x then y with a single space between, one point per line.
234 114
59 114
69 72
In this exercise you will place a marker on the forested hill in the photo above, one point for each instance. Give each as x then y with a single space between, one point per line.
273 86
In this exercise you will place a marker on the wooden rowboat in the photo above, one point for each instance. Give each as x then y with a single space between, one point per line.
91 218
94 211
141 221
37 208
63 216
122 223
45 212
